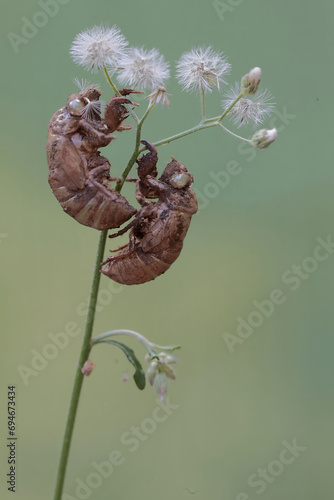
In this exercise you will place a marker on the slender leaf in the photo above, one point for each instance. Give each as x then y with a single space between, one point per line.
139 375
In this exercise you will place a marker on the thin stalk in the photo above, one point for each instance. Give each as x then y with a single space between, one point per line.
136 150
230 107
115 89
198 127
85 350
235 135
134 334
213 119
202 103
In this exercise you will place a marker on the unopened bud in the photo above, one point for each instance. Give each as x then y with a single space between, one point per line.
263 138
168 370
250 82
170 359
151 373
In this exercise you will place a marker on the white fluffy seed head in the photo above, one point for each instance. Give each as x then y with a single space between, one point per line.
97 47
143 69
253 109
202 69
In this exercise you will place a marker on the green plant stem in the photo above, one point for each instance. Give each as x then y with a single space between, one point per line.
235 135
85 350
230 107
136 151
115 89
207 123
134 334
167 140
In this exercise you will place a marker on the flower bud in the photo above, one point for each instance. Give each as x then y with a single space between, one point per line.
164 368
250 82
151 373
170 359
263 138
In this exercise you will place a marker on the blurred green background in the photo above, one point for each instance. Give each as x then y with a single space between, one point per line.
234 409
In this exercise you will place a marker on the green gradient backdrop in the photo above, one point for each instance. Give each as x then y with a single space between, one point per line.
235 409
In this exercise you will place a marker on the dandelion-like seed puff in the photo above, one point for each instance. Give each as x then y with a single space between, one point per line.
253 109
143 69
202 69
97 47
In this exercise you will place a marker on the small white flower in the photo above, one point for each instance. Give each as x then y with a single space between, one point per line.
143 69
160 371
98 46
253 109
202 69
159 95
263 138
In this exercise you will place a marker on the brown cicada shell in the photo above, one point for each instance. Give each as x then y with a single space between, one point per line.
159 228
78 174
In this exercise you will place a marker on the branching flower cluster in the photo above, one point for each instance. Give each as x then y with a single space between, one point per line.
200 69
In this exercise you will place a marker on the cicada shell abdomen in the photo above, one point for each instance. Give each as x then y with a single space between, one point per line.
158 230
78 175
87 198
134 268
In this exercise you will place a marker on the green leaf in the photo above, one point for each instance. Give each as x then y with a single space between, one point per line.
139 375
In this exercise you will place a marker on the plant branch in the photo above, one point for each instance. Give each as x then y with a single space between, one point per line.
136 150
167 140
235 135
230 107
115 89
136 335
85 350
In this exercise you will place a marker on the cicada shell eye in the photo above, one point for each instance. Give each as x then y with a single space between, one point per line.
75 107
180 181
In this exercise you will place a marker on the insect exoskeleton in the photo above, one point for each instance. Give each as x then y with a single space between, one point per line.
159 228
78 174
